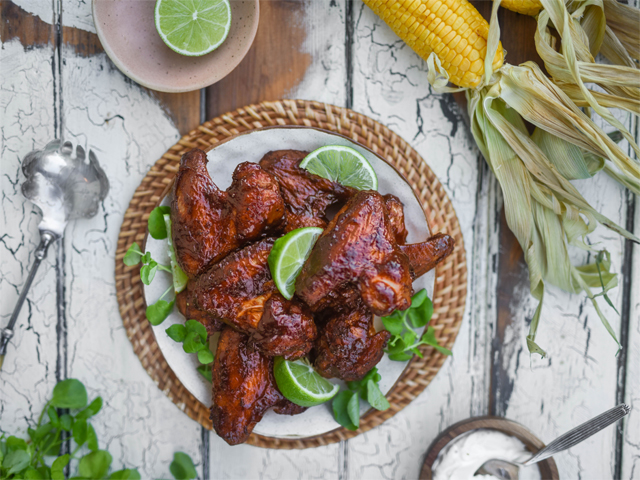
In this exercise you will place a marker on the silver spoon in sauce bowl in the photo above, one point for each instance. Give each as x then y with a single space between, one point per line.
509 470
63 187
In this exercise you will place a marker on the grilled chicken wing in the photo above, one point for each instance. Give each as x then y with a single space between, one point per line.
243 388
286 329
426 255
306 196
239 290
348 345
187 307
359 247
236 289
395 210
209 223
359 255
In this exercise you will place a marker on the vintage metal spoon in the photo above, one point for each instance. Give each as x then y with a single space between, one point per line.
63 186
509 471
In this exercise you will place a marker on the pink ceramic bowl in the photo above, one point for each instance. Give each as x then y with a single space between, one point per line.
128 34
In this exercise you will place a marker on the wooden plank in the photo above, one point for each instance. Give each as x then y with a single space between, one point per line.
318 29
390 85
26 122
294 39
129 131
631 446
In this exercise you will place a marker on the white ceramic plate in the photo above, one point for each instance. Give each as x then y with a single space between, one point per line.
223 159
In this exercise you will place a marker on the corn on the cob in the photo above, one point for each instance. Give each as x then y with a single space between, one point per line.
526 7
453 29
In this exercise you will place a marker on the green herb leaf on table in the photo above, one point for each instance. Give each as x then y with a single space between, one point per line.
92 438
57 468
157 227
182 467
16 461
157 312
80 431
95 464
125 474
94 407
69 393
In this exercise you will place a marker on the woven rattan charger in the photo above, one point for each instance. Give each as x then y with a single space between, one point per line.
451 275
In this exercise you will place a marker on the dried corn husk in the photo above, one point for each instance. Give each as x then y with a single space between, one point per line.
543 209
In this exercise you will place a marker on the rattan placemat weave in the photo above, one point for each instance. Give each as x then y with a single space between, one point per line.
451 276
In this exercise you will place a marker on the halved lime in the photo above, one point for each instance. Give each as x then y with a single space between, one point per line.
193 27
288 255
343 165
300 383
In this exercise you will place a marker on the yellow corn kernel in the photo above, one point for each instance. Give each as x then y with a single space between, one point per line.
526 7
453 29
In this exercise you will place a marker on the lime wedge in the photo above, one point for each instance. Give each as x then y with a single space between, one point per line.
180 278
288 255
300 383
343 165
193 27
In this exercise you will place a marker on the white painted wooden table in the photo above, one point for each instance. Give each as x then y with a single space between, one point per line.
70 327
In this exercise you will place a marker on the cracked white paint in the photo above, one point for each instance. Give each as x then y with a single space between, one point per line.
76 13
26 123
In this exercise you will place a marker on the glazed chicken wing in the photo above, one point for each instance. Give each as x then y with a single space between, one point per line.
359 255
306 196
239 290
348 345
243 388
209 223
359 247
286 329
186 306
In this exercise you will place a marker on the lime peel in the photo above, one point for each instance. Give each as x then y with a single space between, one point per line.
301 384
343 165
193 28
288 256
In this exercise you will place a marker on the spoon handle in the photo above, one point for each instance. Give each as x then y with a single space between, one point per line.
580 433
41 252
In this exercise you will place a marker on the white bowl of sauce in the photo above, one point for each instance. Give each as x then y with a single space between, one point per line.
461 449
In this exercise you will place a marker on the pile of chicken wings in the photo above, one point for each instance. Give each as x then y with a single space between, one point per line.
359 267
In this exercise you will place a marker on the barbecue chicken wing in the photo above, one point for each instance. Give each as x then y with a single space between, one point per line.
243 388
186 306
348 345
358 247
208 223
239 290
286 329
426 255
359 255
306 196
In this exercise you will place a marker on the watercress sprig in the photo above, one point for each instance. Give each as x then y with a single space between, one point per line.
193 336
159 225
31 459
404 341
346 404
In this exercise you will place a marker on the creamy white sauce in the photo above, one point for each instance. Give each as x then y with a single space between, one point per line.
461 458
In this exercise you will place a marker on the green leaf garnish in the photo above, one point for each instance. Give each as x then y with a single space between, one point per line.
159 311
206 371
205 356
375 397
133 255
69 393
157 227
182 467
340 413
177 332
404 343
